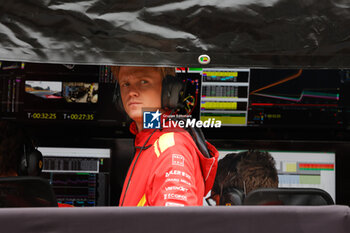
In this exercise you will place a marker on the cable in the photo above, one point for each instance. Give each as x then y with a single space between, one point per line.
132 170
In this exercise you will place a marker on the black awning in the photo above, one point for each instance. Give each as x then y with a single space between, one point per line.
240 33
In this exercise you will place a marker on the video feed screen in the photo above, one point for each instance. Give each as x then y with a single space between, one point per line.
72 92
44 89
60 100
79 92
302 169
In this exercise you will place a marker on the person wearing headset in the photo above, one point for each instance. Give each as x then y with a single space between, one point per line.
18 155
240 173
168 169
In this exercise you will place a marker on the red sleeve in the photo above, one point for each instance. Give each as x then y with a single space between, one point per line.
175 177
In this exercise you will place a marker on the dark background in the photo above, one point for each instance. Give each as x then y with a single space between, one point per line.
110 128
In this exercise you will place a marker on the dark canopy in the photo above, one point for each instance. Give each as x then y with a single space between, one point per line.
234 33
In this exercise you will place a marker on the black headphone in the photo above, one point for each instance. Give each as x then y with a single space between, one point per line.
173 93
31 161
232 196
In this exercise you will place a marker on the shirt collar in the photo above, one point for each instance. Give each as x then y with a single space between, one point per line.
143 135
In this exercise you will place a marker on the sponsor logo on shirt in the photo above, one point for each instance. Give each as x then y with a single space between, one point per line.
172 180
178 160
173 204
185 182
176 188
178 173
175 196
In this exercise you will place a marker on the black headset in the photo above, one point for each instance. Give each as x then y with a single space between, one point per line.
232 196
31 160
173 93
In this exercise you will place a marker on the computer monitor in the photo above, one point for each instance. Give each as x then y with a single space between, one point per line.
225 95
303 169
272 97
79 176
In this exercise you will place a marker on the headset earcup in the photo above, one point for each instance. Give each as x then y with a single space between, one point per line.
22 167
172 89
117 99
31 162
35 163
232 196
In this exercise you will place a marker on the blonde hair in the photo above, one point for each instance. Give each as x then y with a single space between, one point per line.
164 71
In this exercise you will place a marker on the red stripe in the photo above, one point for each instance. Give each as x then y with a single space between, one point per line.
312 165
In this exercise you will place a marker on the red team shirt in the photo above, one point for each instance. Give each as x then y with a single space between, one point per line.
170 171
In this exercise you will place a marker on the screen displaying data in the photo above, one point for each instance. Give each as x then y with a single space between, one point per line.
273 97
306 98
78 176
303 169
223 95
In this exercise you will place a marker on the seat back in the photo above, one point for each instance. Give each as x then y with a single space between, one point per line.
24 191
288 196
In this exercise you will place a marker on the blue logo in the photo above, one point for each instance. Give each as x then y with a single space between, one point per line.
151 120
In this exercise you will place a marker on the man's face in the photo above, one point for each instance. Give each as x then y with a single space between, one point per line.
140 87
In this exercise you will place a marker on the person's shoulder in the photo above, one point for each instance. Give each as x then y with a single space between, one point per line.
172 139
178 135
